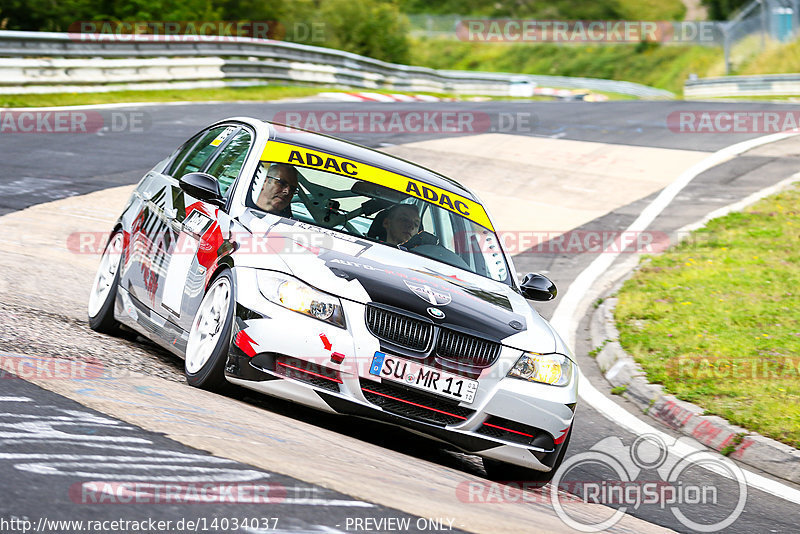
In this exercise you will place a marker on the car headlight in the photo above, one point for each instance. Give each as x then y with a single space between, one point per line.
298 296
553 369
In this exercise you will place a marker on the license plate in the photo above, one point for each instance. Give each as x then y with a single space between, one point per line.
423 377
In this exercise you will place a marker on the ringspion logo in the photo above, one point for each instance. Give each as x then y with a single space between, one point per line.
649 472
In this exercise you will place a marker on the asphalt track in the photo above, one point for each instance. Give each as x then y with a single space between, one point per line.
41 168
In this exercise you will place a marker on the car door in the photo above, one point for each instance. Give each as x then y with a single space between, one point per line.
156 228
203 233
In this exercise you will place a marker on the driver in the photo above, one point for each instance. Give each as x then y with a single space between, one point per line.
278 190
401 223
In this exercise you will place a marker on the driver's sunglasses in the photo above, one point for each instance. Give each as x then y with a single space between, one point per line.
284 184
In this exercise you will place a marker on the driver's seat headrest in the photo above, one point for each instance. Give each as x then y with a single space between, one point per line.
376 229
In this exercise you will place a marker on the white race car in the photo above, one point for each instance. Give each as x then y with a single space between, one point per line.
345 279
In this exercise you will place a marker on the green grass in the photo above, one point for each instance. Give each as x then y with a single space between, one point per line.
780 99
665 67
598 349
271 92
652 9
263 93
553 9
729 449
716 319
776 58
542 98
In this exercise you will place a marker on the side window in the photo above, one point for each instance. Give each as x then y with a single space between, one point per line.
427 219
178 156
228 163
442 227
201 151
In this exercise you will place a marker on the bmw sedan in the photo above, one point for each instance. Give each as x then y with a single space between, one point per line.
323 272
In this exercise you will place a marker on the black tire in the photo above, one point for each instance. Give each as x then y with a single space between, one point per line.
103 320
502 471
211 374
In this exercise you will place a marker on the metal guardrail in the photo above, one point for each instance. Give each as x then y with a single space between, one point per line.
760 85
44 61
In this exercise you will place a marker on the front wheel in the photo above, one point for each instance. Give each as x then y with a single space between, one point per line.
209 337
104 288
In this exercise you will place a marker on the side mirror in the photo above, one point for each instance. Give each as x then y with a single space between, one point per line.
203 187
537 286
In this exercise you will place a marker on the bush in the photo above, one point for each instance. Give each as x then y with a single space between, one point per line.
46 15
374 29
723 9
651 64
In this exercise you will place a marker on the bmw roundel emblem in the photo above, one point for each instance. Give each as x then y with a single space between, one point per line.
436 313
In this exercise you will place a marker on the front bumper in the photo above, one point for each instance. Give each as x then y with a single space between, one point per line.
289 355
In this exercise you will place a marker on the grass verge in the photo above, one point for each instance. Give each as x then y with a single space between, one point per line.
262 93
269 92
776 99
665 67
716 319
776 58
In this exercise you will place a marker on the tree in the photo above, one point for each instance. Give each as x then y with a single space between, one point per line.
58 16
370 28
723 9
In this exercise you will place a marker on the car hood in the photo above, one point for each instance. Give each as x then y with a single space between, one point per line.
369 272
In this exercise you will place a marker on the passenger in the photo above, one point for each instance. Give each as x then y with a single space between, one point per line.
278 190
401 223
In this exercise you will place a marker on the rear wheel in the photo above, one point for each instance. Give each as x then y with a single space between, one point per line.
104 289
209 337
502 471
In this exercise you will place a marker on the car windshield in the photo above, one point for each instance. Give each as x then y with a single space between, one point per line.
368 210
